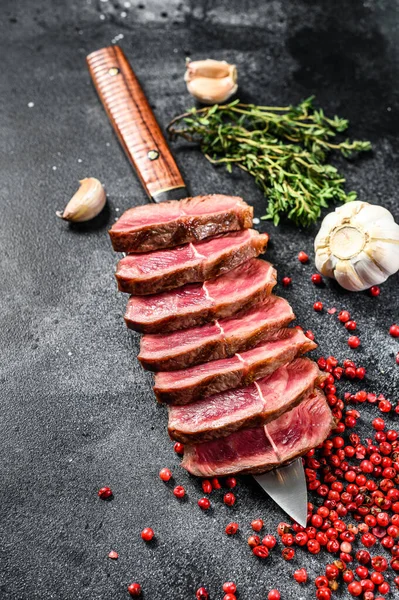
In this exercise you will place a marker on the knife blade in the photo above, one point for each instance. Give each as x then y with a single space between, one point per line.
287 487
145 145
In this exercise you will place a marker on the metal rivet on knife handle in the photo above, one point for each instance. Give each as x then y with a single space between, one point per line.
135 124
153 154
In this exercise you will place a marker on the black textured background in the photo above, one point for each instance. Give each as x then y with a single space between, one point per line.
77 411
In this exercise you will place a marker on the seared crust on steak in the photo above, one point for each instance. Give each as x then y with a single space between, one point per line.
168 224
155 272
196 304
251 451
221 339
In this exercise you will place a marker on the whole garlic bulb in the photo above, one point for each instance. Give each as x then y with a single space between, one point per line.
358 245
211 81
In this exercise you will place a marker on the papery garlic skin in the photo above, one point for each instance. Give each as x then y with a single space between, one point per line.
358 245
211 81
86 203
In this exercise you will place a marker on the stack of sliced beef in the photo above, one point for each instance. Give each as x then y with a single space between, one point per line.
239 393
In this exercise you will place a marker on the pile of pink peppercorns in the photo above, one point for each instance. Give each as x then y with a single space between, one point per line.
353 521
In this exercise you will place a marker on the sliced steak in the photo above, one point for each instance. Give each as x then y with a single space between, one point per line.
153 272
221 339
168 224
187 385
199 303
242 408
264 448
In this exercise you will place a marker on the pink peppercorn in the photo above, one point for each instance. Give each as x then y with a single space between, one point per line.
303 257
317 279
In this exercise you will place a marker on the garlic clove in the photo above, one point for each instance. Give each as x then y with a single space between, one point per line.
375 214
86 203
325 261
384 231
347 277
213 69
211 81
211 91
368 270
329 222
380 252
350 209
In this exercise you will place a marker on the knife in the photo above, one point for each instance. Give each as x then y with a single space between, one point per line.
287 487
145 145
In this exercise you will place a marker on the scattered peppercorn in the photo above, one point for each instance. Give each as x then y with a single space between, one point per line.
301 575
317 279
344 316
229 587
353 341
206 486
257 524
231 528
303 257
229 499
260 551
104 493
114 555
179 491
318 306
165 474
375 290
178 448
147 534
253 540
134 589
204 503
202 594
231 482
269 541
394 330
286 281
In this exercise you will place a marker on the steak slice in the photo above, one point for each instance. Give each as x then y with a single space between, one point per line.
187 385
168 224
199 303
264 448
153 272
252 406
214 341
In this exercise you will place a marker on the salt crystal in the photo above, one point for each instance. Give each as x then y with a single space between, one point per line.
31 104
127 4
69 353
102 17
123 14
117 209
118 37
54 168
256 221
79 160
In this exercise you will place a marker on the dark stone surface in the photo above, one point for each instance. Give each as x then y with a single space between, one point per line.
77 410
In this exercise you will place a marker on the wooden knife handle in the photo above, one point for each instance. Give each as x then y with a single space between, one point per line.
135 124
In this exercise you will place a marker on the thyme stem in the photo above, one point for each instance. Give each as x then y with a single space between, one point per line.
284 148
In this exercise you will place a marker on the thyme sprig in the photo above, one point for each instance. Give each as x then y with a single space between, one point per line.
284 148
